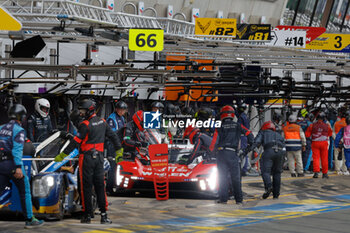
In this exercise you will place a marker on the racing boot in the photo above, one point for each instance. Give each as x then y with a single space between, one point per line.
85 219
267 193
105 219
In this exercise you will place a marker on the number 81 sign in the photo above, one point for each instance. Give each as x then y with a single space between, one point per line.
146 39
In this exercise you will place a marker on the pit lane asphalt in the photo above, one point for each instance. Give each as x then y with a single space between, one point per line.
305 205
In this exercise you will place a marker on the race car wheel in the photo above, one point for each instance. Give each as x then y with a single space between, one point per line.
61 200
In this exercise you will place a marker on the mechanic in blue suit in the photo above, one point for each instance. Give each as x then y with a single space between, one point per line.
116 120
272 159
12 137
228 157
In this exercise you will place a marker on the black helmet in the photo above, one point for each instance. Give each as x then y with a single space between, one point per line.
89 105
204 113
121 105
75 117
158 104
171 109
17 112
276 117
321 116
242 107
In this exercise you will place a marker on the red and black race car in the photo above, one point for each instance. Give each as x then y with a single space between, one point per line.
200 176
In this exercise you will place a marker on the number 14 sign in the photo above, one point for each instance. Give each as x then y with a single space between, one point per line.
146 39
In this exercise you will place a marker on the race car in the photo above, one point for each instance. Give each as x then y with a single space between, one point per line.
200 176
54 186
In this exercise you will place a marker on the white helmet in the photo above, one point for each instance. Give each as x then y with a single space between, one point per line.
292 118
42 106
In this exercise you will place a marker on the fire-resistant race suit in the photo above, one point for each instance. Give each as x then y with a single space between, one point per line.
12 138
39 128
319 133
272 159
228 160
91 137
201 143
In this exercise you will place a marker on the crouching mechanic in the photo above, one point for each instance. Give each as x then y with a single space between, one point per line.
91 136
133 136
228 157
344 134
12 138
201 143
272 159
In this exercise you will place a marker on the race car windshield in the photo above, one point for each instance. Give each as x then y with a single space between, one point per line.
152 136
50 151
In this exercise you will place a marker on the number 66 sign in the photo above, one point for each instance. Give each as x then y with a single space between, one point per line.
146 39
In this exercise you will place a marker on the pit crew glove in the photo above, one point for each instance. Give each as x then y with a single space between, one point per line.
60 157
144 144
119 155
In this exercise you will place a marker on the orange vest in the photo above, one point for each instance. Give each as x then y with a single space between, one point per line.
292 131
338 125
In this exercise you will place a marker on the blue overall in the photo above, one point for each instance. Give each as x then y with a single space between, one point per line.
12 137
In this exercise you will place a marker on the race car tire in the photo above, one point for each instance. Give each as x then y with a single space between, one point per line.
61 200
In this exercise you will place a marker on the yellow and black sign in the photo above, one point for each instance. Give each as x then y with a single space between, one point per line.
8 22
253 32
215 27
146 39
330 41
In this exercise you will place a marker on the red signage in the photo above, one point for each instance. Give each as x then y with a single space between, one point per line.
311 32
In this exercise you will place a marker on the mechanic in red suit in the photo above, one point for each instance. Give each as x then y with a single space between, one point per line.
319 133
91 136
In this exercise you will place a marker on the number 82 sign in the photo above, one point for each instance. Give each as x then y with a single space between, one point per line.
146 39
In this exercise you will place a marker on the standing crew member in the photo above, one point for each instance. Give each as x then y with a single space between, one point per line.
295 142
272 159
319 133
344 133
116 121
91 136
12 138
39 124
244 120
228 160
339 159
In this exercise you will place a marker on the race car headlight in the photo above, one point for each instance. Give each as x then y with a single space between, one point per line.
118 175
43 185
212 179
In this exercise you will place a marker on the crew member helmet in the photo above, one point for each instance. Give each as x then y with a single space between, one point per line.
227 112
89 106
121 105
17 112
138 119
268 125
42 106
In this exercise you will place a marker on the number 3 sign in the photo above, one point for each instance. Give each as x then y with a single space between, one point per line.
146 39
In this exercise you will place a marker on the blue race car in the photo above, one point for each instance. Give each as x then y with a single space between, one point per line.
54 184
